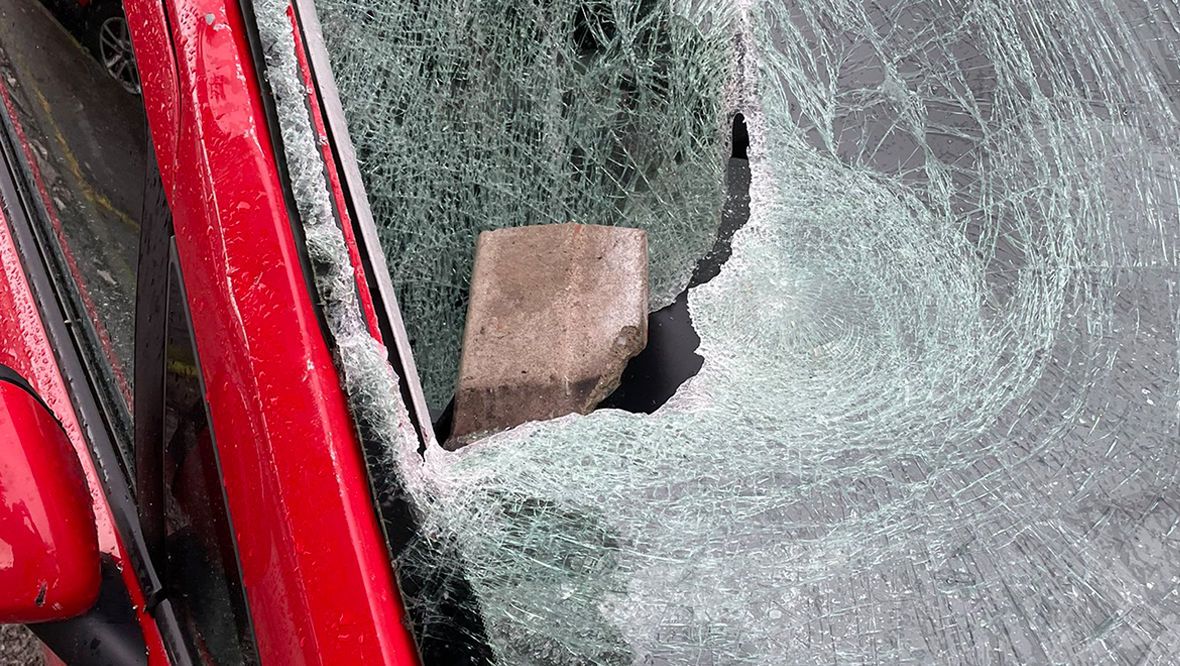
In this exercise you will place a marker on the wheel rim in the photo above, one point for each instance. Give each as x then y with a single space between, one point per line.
114 46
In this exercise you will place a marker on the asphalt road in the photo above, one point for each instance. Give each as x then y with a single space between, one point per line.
18 647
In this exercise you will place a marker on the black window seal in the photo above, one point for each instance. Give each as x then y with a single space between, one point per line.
238 586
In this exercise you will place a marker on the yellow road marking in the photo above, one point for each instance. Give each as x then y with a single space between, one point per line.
183 369
99 199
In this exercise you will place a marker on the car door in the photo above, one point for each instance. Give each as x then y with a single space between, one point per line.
74 160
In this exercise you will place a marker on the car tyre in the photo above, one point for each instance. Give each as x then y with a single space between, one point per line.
109 38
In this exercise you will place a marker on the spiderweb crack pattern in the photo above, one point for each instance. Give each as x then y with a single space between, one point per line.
469 116
939 412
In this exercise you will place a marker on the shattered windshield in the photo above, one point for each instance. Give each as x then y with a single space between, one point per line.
476 116
938 415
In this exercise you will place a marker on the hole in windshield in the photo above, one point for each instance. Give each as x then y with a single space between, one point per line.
656 373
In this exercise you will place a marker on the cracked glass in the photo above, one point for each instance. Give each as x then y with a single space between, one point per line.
470 116
939 409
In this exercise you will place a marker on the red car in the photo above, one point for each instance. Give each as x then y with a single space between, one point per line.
230 517
934 416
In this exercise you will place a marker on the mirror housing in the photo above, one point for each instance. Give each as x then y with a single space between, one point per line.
49 563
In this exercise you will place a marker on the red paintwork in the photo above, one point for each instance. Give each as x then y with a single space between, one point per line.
25 347
317 574
49 555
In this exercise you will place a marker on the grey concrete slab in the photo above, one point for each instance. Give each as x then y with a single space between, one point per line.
555 313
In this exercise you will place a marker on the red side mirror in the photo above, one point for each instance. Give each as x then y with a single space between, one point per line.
49 566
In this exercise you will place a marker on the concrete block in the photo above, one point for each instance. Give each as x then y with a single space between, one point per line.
554 314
